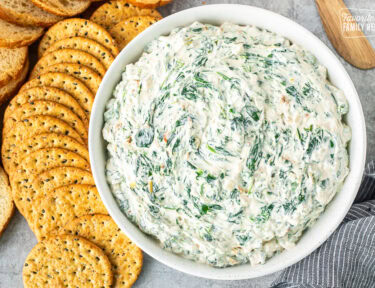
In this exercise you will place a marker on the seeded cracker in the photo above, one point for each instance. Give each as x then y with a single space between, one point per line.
88 76
87 45
45 93
50 108
128 29
67 56
113 12
29 127
47 140
77 28
67 261
54 178
49 213
67 83
37 163
126 258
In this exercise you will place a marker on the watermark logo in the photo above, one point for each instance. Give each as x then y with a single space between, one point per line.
354 21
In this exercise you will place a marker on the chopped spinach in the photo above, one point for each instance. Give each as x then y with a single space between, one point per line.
292 91
224 76
255 156
210 178
144 137
190 92
265 213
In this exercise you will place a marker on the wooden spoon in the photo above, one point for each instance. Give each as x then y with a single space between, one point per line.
353 46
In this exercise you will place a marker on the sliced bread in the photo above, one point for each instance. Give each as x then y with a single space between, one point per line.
12 62
14 36
10 89
66 8
25 13
151 4
6 201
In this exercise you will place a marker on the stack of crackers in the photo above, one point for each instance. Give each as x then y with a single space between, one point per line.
125 21
44 143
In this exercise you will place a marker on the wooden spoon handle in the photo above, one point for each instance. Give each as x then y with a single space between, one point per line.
353 46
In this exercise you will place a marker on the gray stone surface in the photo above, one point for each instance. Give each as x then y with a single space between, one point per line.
18 240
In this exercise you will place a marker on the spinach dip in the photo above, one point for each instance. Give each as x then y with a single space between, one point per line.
225 143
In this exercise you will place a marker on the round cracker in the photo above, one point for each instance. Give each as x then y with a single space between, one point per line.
128 29
50 108
66 8
114 12
67 56
77 28
47 140
87 45
29 127
11 88
67 261
61 176
49 213
6 201
42 160
67 83
126 258
36 163
45 93
88 76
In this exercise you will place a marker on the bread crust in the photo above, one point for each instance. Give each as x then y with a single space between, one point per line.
4 182
59 12
9 90
27 19
29 35
150 4
18 70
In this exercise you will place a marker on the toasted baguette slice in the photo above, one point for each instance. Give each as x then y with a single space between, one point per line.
12 62
9 90
66 8
150 4
6 201
25 13
14 36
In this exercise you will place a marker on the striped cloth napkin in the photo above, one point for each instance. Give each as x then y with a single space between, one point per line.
347 258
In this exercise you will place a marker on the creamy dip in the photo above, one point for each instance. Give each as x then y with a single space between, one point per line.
225 143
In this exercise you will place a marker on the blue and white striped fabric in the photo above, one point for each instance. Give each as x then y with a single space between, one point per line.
347 258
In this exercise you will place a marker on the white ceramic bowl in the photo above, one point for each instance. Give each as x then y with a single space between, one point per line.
239 14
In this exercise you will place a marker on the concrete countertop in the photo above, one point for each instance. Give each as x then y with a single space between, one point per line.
18 239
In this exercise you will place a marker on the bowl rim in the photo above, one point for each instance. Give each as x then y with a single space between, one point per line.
214 14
